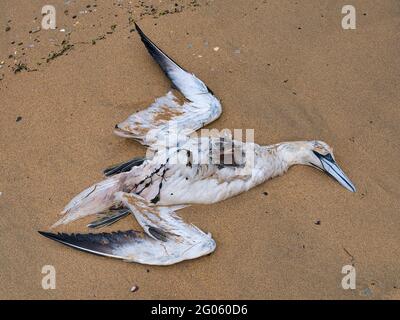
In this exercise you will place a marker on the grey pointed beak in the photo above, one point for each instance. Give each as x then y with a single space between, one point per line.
332 168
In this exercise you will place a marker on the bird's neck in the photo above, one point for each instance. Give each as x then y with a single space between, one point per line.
283 155
291 152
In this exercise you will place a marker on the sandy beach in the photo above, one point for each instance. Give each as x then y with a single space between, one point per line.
286 69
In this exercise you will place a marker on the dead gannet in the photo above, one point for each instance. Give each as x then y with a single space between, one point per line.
190 170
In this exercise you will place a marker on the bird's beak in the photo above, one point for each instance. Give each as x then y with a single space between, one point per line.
332 168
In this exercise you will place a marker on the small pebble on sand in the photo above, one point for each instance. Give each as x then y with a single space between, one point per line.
216 49
134 288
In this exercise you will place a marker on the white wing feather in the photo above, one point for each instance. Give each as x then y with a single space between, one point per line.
166 239
167 113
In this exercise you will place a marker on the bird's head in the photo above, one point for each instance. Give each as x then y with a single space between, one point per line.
319 155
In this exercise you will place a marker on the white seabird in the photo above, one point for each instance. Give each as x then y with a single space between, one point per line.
174 175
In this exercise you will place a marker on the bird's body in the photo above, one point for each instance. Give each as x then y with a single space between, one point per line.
185 175
179 169
189 183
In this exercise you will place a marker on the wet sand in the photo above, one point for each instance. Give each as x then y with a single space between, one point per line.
286 69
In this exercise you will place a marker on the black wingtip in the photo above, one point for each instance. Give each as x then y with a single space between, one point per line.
165 62
81 242
45 234
64 238
49 235
148 43
158 55
141 34
137 27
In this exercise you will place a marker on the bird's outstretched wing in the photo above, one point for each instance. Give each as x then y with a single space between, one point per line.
166 239
171 113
